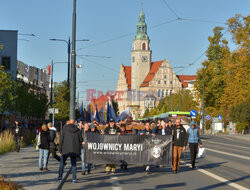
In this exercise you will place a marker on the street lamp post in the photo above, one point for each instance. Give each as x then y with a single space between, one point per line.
68 51
203 106
52 88
73 65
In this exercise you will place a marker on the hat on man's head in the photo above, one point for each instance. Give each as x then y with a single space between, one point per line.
111 120
192 123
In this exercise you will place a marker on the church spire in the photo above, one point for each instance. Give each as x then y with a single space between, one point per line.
141 26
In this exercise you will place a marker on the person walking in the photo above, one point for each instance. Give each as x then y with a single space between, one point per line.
85 129
112 129
70 146
179 144
146 131
44 147
193 136
17 132
52 147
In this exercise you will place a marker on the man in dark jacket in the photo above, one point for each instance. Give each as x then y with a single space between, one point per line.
52 147
17 131
70 146
179 142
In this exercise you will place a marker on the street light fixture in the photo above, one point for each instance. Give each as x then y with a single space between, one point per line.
26 34
68 51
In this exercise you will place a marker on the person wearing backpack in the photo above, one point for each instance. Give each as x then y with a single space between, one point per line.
52 147
44 146
193 136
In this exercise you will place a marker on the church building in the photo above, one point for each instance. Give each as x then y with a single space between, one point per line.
144 83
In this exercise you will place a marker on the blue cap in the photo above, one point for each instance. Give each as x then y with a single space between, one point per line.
192 123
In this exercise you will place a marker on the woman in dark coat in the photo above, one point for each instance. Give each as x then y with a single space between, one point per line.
43 146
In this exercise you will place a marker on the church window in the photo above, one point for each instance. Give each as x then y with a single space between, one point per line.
165 82
159 82
143 46
165 76
166 92
162 93
170 82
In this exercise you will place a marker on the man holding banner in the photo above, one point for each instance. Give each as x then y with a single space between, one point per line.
112 129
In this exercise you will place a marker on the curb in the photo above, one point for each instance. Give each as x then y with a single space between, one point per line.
64 179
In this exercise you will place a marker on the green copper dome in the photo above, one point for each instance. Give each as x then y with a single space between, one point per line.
141 27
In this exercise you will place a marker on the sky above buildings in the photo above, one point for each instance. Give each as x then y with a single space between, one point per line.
110 26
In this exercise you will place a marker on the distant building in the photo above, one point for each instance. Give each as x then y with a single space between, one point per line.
8 51
143 84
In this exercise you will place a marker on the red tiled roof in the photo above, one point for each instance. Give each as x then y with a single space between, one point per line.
127 70
185 79
153 70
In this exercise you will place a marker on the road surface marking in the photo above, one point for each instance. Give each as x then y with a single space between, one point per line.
115 182
221 179
230 154
227 144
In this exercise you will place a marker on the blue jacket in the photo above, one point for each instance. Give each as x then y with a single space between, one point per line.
193 135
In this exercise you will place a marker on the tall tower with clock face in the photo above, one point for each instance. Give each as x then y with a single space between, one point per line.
140 56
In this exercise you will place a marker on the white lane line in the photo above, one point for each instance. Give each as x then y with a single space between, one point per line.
115 182
227 144
229 154
221 179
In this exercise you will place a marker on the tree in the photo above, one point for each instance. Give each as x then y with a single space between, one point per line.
146 113
7 91
61 100
30 101
213 71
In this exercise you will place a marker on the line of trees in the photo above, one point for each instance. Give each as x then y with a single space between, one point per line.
20 97
226 74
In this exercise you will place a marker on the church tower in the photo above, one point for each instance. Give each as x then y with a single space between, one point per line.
140 56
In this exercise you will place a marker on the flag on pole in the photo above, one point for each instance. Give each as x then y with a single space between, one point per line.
112 113
124 115
96 116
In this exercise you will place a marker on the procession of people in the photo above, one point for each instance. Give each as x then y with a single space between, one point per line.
73 141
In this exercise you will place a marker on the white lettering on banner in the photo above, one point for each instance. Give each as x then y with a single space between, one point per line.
115 146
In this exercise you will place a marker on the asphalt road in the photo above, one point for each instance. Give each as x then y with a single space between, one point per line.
226 166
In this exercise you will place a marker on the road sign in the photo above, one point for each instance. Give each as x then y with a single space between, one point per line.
208 117
193 113
56 111
220 117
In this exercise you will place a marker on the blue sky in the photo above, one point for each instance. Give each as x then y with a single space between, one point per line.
109 25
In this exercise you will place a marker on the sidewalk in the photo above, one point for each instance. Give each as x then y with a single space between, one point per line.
22 168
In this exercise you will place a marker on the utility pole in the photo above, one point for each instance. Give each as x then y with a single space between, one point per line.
73 65
203 109
68 62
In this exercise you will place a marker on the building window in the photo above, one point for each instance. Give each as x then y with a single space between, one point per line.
165 82
170 92
165 76
162 93
133 59
166 93
159 82
159 93
6 62
170 82
143 46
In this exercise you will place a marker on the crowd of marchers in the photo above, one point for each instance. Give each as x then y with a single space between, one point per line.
72 141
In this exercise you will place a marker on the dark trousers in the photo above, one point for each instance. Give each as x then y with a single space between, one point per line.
53 152
17 142
73 164
193 152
